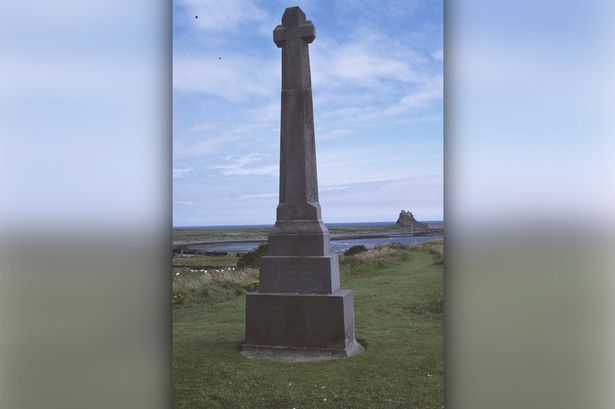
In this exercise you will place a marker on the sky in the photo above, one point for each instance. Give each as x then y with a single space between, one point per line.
377 84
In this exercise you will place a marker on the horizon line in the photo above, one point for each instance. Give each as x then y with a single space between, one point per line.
271 224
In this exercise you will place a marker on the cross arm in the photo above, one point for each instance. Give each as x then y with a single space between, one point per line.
307 32
304 31
279 35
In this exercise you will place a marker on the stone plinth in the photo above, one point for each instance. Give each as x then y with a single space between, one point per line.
291 274
300 327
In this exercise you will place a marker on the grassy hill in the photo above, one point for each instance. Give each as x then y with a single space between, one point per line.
398 312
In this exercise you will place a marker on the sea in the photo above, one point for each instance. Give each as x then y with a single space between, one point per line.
337 246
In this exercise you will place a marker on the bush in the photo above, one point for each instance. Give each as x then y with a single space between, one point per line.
355 250
252 259
380 256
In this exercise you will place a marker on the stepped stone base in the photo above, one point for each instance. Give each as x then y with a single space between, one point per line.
300 327
307 274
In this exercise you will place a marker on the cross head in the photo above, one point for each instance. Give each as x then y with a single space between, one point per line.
294 27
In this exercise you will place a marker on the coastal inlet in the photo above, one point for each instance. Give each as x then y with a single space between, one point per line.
242 239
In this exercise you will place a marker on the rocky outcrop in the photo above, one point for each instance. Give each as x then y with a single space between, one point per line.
406 219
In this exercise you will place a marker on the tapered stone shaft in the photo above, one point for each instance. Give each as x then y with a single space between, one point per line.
298 211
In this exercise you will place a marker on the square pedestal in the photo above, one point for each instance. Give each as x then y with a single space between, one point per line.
299 274
300 327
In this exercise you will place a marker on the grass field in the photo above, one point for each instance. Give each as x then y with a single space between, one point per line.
398 312
199 260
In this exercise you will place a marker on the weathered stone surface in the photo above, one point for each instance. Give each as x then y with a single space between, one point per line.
298 178
319 275
298 313
308 326
299 238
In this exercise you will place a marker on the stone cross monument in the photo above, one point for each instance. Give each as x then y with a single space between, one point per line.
299 313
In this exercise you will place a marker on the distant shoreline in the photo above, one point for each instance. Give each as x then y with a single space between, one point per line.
332 224
334 237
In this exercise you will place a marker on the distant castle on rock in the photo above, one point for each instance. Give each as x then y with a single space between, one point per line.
406 219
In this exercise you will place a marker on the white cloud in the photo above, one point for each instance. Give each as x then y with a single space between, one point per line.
360 64
374 163
241 161
183 202
431 91
381 200
234 135
180 173
234 77
267 113
256 196
438 55
216 15
366 81
371 81
205 146
352 115
331 134
238 166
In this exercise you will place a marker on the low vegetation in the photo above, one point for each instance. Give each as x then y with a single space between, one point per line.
355 250
204 279
205 261
252 259
398 297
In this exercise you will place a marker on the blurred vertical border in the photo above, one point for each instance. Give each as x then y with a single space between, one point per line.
85 208
529 206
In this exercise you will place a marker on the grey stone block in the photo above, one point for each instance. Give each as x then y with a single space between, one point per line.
299 238
290 274
299 245
322 322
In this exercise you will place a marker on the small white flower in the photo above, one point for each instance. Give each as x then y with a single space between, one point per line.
176 274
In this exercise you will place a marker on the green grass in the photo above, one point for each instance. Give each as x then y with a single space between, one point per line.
398 314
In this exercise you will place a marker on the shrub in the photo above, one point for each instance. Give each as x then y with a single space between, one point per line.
379 256
252 259
355 250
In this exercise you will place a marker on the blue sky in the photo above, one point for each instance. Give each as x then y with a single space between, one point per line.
377 87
